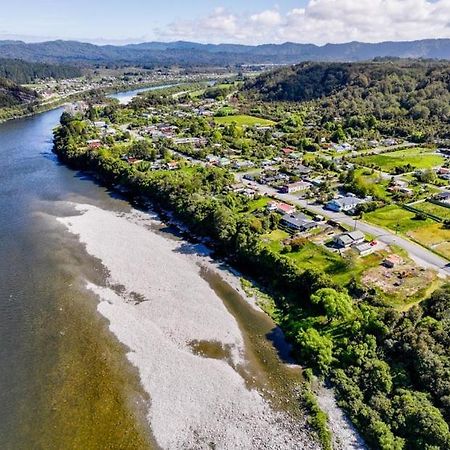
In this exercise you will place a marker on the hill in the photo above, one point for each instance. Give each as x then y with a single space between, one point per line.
385 89
23 72
13 95
189 53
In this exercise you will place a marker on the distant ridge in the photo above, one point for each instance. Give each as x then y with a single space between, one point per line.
191 53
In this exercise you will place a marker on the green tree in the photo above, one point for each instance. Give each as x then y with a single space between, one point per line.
316 348
337 305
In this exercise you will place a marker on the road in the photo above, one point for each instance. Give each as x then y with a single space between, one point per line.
422 257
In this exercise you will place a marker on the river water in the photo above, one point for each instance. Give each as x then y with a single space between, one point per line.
126 96
117 334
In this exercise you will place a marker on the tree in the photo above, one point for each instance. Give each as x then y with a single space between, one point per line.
376 376
316 348
336 304
418 420
338 135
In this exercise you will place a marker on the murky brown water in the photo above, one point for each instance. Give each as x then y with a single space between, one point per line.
64 381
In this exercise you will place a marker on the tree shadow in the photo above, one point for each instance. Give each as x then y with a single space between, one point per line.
284 349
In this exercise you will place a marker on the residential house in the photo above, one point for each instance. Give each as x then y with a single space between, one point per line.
172 165
239 165
342 147
298 222
213 159
299 186
444 173
94 143
443 197
287 151
195 141
280 207
363 248
100 124
346 240
344 203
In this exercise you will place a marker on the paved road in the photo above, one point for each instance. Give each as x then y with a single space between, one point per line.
419 254
423 257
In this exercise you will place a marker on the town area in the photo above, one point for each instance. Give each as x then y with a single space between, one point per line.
371 211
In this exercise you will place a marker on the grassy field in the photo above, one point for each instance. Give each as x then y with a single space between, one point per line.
275 238
375 184
396 219
313 256
435 237
419 158
259 203
243 120
432 208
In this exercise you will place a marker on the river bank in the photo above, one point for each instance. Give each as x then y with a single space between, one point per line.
189 350
122 88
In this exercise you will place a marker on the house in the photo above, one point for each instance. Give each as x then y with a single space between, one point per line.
346 240
342 147
94 143
295 155
172 165
302 170
444 151
280 207
444 173
443 197
364 248
195 141
223 162
100 124
287 150
299 186
396 185
392 261
239 165
213 159
298 222
344 204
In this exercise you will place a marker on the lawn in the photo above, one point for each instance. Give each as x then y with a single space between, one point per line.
433 236
313 256
373 182
274 239
432 208
258 203
396 219
419 158
243 120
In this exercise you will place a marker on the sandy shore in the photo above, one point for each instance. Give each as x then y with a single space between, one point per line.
159 305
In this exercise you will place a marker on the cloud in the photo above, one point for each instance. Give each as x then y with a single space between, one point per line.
320 21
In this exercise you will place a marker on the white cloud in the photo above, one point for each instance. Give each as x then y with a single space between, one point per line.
269 18
321 21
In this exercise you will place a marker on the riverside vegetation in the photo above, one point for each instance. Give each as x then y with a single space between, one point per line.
390 367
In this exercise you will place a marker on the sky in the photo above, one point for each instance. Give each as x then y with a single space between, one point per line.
224 21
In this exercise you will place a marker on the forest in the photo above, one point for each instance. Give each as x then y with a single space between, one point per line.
12 95
22 72
407 97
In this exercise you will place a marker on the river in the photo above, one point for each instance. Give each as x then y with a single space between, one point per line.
126 96
115 333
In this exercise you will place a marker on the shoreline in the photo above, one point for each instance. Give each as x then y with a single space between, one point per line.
75 97
237 416
344 434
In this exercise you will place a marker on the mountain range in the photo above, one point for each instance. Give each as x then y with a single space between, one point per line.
190 53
